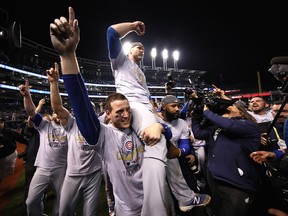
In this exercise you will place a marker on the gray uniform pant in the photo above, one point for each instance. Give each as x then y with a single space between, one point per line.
157 199
178 184
43 177
73 186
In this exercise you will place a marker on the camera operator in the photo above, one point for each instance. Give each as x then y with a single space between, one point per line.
169 85
231 174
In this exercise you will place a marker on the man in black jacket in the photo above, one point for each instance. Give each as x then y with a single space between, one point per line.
8 149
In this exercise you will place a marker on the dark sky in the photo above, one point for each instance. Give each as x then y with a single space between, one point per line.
229 40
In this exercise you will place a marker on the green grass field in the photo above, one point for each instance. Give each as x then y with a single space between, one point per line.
14 207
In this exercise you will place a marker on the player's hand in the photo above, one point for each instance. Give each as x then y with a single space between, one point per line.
262 156
151 135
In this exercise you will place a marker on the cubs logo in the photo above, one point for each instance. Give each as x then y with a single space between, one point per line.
129 145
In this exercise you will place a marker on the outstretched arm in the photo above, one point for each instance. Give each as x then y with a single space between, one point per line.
220 93
40 105
56 100
126 27
117 31
65 36
29 105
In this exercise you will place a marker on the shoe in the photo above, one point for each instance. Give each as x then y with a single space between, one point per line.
198 200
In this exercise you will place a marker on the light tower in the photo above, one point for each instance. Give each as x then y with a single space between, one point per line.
153 56
165 57
176 58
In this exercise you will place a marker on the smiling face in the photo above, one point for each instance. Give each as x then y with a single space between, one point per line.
120 114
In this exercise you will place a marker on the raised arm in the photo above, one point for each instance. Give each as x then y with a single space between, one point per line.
126 27
29 105
40 105
220 93
117 31
56 100
65 36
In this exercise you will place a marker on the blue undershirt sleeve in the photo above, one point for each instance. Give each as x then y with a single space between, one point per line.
86 118
113 43
37 119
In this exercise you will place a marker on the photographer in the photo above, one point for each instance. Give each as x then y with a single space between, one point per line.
169 85
231 174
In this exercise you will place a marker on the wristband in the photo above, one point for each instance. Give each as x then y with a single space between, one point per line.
180 153
279 153
167 132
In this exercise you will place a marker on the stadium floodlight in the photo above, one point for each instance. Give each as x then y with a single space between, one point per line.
126 47
153 56
176 58
165 57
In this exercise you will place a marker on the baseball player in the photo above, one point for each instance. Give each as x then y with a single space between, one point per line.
83 175
120 146
51 159
131 81
187 198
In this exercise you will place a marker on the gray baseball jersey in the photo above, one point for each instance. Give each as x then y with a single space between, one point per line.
51 162
83 175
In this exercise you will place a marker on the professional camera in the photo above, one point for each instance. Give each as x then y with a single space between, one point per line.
205 96
279 69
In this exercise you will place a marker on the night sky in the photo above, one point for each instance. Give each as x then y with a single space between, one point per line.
231 41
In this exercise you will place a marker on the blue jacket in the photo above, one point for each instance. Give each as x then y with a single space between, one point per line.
230 142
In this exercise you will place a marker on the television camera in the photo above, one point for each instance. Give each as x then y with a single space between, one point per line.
200 94
279 69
